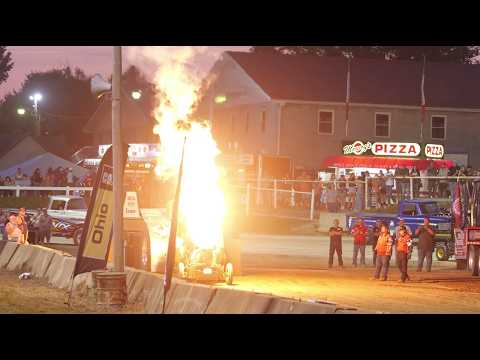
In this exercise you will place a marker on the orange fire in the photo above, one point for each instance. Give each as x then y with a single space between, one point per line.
202 207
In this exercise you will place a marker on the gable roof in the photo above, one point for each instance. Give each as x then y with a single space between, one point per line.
372 81
131 115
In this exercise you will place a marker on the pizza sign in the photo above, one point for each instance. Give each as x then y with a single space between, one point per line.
434 151
396 149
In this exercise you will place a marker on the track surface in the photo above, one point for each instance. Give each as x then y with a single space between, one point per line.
296 266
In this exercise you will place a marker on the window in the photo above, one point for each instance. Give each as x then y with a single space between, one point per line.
58 205
439 127
410 210
264 121
325 122
382 124
77 204
247 120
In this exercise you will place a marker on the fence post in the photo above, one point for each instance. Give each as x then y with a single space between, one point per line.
312 205
247 202
411 188
366 192
275 193
292 197
17 192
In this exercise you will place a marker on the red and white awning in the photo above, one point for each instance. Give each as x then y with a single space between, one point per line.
376 162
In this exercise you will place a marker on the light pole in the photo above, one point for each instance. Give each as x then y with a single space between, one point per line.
36 98
118 248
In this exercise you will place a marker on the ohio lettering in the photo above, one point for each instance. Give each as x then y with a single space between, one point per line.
99 224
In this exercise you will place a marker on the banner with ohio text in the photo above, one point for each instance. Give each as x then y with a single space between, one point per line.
97 231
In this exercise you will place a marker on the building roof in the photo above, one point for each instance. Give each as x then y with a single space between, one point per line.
372 81
131 115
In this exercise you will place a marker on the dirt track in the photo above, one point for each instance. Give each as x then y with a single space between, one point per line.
441 291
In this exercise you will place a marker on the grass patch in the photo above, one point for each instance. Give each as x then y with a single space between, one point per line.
28 202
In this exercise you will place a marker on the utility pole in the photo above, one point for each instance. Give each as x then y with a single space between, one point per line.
118 248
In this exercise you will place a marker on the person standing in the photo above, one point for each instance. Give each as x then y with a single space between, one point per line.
359 233
335 233
426 237
331 195
404 241
389 187
3 223
23 224
384 250
44 227
375 233
13 231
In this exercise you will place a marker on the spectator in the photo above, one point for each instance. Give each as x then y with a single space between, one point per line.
34 228
335 233
351 192
384 250
13 231
9 182
3 221
404 242
69 177
36 179
342 191
426 236
359 233
19 175
360 195
389 188
22 225
44 227
332 204
374 234
417 182
382 190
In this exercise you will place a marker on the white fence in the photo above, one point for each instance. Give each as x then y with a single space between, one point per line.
257 190
68 190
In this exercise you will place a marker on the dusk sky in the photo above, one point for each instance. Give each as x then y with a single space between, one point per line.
91 59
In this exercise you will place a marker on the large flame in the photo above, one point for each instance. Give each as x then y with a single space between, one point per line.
202 208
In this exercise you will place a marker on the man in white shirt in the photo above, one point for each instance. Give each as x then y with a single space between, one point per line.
389 187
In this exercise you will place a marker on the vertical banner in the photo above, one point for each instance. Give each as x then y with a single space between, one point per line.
172 240
460 244
97 230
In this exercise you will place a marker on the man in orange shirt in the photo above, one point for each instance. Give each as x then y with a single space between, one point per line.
384 251
404 241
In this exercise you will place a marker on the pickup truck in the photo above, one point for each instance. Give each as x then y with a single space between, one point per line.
413 212
68 214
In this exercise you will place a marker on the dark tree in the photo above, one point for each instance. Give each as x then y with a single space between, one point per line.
6 63
458 54
66 106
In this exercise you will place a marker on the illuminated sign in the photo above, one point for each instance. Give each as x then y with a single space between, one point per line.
434 151
357 148
393 149
136 151
396 149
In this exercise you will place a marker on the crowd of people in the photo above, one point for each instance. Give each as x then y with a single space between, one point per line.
347 192
385 243
25 229
58 177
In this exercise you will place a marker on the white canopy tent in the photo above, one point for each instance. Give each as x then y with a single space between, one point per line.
43 162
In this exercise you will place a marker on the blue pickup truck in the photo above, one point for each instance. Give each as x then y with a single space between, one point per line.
413 212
